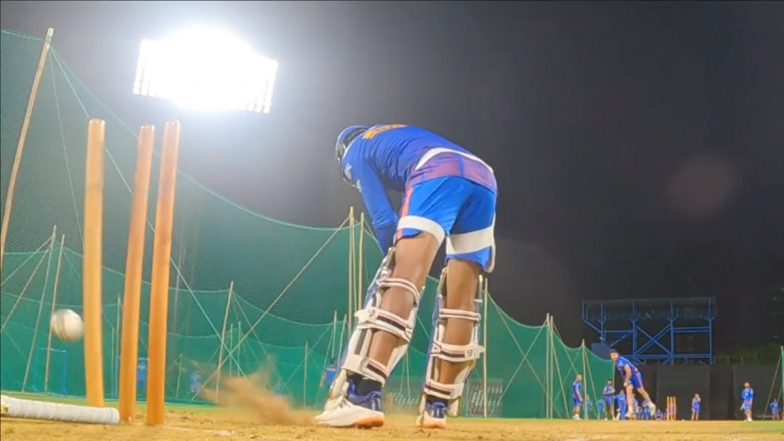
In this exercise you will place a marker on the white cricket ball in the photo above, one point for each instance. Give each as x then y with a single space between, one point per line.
67 325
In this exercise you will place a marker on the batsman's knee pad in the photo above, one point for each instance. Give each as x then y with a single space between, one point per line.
371 319
439 350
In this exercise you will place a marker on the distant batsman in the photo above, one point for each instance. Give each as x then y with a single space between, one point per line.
449 195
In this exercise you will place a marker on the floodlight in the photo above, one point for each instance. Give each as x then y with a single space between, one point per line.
205 69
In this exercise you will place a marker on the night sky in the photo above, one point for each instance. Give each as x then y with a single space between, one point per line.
639 147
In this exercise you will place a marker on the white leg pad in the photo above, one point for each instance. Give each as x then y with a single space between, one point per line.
439 350
371 319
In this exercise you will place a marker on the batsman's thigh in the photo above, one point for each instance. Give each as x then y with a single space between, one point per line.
414 256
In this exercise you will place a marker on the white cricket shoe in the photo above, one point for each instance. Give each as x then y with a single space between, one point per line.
652 408
363 412
434 416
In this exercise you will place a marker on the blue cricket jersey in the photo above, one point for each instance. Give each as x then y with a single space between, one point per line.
577 390
623 362
747 394
395 157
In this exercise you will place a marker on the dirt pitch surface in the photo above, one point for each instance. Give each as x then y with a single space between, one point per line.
195 424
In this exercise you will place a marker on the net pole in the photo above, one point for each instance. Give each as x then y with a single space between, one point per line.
50 252
305 378
547 369
54 305
9 197
350 313
129 352
360 288
159 296
232 363
353 235
223 338
334 335
484 343
551 359
92 288
239 345
585 378
342 336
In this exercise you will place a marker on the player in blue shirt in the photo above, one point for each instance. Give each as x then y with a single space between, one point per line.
622 407
775 410
449 195
696 403
329 374
632 380
577 396
747 396
195 383
608 392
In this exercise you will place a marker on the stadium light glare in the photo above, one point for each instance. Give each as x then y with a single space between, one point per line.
205 69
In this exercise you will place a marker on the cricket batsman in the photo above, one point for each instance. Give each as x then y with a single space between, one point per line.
632 380
449 195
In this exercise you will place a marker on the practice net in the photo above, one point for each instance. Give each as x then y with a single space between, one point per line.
235 302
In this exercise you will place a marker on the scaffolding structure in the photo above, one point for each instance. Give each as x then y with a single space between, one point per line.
655 330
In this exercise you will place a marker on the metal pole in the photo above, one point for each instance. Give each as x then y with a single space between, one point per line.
9 197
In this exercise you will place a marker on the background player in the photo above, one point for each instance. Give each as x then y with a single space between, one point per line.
609 393
747 396
622 406
775 410
632 380
695 407
577 396
329 374
448 194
